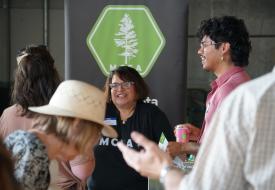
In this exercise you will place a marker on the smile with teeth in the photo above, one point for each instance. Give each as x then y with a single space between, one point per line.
203 58
121 95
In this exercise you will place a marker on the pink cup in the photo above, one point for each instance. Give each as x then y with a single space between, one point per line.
182 134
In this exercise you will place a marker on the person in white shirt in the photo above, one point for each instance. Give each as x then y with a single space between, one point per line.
241 156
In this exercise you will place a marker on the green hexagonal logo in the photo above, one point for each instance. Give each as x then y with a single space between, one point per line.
125 35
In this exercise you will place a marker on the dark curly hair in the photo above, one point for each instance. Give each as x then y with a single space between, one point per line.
126 73
36 78
228 29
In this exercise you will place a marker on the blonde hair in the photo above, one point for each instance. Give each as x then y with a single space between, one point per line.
78 132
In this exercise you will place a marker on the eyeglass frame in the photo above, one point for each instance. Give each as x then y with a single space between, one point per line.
123 85
204 44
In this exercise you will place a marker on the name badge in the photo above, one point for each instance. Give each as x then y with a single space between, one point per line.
110 121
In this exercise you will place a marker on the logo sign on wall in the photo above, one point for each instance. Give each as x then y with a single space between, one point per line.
150 36
125 35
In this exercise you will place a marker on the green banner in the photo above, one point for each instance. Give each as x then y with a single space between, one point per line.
133 38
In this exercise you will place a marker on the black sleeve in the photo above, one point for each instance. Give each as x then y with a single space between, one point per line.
161 125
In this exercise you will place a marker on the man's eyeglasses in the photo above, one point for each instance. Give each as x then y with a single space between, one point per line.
123 85
204 44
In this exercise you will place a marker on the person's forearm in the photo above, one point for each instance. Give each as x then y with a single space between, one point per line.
172 179
190 148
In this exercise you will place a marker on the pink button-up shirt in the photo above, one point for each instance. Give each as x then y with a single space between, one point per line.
220 88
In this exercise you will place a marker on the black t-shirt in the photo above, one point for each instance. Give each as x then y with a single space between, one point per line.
111 171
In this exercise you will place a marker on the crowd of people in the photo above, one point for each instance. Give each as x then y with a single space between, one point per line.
109 139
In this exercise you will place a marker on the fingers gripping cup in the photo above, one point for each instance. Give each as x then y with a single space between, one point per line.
182 134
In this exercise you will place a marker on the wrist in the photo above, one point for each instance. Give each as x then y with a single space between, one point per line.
182 148
164 171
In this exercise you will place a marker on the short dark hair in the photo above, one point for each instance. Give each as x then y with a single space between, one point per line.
228 29
36 78
126 73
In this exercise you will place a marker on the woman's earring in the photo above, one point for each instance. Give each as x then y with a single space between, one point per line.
221 59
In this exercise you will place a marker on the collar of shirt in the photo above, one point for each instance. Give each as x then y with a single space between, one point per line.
223 78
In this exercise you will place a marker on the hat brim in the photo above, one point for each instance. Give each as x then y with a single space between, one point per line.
52 110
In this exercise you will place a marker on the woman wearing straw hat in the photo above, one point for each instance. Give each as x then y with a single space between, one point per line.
68 126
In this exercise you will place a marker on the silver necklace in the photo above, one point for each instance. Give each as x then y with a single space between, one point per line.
128 115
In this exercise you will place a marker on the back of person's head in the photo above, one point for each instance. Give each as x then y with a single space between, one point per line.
228 29
7 180
126 73
36 77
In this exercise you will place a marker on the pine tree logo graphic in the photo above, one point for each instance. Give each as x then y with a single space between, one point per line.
127 39
125 35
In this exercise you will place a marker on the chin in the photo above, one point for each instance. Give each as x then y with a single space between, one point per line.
120 103
62 159
205 68
59 159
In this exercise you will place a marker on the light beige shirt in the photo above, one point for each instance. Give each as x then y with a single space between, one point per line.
239 148
11 120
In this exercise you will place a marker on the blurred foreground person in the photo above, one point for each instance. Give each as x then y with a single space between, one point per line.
237 152
70 125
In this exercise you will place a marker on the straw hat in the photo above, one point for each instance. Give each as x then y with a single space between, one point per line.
78 99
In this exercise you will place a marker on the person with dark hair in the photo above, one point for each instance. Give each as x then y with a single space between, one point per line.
224 51
126 112
36 79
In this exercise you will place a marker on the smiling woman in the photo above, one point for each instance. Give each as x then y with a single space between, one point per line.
126 90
